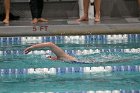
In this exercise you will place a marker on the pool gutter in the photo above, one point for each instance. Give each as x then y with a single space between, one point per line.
51 30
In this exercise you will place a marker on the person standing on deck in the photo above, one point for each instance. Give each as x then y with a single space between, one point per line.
7 11
36 11
86 8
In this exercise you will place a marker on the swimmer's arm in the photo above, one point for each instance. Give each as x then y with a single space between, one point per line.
41 45
54 48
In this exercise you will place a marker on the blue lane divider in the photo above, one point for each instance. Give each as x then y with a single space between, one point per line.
11 52
97 91
125 68
84 38
129 91
71 52
10 39
71 70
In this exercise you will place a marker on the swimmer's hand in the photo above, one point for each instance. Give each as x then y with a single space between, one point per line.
27 50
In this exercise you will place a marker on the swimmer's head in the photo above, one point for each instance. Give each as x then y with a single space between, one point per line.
50 57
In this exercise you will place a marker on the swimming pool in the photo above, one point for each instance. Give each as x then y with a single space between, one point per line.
113 65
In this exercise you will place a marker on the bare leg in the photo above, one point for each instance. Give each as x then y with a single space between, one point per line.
86 7
139 3
7 11
97 10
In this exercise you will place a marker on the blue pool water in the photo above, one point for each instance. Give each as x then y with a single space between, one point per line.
113 65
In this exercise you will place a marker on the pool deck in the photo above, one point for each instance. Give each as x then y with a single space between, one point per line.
107 25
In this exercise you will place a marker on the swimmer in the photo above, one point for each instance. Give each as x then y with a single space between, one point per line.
60 54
